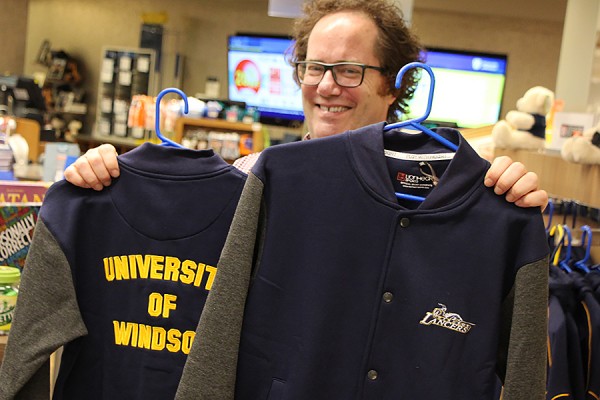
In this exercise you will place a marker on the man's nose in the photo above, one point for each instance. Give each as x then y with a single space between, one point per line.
328 77
328 84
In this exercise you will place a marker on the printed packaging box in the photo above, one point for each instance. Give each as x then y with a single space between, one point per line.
566 125
16 231
23 191
20 202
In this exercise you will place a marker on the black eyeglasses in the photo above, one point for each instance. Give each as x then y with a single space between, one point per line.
345 74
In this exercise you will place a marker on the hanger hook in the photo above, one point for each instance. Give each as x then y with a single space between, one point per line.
564 264
587 234
157 116
416 122
431 86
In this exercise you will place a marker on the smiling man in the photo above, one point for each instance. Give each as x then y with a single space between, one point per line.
331 107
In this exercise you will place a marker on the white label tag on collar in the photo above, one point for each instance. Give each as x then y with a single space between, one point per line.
410 131
418 157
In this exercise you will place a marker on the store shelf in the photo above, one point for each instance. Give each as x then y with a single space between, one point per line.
124 144
124 74
184 123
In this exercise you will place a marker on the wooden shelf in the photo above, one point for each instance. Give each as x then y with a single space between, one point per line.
181 125
220 125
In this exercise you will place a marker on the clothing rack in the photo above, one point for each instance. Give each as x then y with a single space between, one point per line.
574 300
575 214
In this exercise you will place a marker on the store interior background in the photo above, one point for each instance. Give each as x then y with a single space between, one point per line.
529 32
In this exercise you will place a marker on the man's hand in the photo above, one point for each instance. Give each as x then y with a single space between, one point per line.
95 169
511 178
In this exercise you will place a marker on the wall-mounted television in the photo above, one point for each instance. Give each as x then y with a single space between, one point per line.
469 87
259 75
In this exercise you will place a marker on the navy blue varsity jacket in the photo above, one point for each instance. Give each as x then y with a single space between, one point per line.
120 277
329 287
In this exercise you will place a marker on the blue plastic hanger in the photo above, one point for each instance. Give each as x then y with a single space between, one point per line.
416 122
571 208
166 141
564 263
583 264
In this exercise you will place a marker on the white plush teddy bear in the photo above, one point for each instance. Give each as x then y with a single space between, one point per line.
525 128
584 149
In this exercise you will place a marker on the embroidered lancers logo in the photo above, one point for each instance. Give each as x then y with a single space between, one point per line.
451 321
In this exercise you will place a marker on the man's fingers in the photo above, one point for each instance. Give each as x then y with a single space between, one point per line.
511 175
73 176
523 185
95 169
109 157
519 186
533 199
499 165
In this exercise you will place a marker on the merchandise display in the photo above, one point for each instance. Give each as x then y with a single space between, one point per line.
64 94
228 139
124 73
573 344
119 277
573 313
348 282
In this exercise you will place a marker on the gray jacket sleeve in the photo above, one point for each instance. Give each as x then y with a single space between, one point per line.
46 317
210 369
525 334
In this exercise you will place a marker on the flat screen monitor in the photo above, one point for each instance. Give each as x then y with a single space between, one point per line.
259 75
468 88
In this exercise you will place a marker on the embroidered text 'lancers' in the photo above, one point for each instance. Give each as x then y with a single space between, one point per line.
451 321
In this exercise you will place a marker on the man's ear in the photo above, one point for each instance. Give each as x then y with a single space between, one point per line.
392 94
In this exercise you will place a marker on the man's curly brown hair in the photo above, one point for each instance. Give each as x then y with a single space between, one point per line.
395 47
